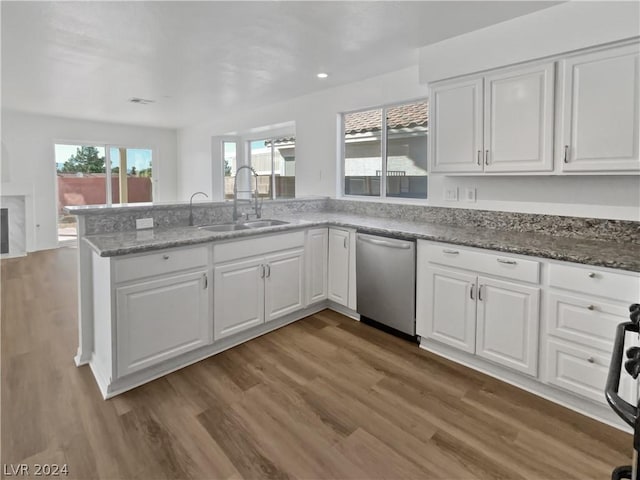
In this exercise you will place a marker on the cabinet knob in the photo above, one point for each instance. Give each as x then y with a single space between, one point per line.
592 274
591 360
591 307
166 257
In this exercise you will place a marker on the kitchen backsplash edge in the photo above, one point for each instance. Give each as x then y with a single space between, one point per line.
621 231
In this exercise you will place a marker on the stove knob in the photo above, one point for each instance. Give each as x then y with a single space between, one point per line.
632 367
634 352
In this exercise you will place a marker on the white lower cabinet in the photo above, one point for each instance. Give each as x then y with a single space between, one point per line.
252 290
317 264
584 307
342 260
447 310
284 284
238 297
457 305
507 324
160 319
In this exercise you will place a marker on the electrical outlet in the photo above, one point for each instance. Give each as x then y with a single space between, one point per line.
470 194
144 223
451 194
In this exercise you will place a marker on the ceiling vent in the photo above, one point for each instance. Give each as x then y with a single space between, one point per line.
141 101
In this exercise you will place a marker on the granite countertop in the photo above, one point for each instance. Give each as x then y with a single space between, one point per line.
623 256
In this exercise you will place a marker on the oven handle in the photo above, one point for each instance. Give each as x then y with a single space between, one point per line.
625 410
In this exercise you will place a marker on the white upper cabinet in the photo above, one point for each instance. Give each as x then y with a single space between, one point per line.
518 120
599 124
456 127
502 122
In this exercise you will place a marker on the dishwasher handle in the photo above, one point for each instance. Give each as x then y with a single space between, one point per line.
384 243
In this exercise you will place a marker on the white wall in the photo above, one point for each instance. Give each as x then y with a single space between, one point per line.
568 26
317 132
29 167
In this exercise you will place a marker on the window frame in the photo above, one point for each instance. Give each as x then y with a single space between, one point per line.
383 154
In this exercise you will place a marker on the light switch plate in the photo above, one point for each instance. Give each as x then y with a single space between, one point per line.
470 194
451 194
144 223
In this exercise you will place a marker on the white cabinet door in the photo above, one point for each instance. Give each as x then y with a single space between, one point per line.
578 369
316 260
450 313
238 297
284 283
600 123
518 120
339 246
507 327
160 319
456 123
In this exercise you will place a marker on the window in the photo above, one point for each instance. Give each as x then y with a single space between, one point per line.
385 151
82 178
274 159
229 155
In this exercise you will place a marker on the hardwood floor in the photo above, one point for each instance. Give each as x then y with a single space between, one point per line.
325 397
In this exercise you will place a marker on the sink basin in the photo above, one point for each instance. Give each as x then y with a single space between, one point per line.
263 223
224 227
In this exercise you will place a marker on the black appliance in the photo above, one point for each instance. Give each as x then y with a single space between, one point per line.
628 412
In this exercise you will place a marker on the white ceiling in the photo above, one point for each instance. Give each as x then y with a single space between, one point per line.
202 59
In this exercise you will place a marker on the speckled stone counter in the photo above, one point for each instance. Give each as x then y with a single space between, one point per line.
605 253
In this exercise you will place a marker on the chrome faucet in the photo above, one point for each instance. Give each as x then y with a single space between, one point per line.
257 208
191 206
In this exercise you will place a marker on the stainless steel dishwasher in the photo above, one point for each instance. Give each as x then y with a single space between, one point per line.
386 281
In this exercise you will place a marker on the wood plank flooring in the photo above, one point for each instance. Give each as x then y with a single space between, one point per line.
325 397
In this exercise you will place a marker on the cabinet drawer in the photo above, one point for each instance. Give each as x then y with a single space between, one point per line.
584 320
586 280
250 247
166 261
583 370
578 369
488 263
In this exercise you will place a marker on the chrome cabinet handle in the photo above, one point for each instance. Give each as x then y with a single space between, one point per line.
451 252
591 307
486 157
166 257
268 270
262 271
508 262
345 242
591 274
479 157
206 281
473 285
566 154
480 293
591 360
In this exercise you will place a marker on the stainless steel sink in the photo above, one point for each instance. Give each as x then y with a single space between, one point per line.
224 227
264 223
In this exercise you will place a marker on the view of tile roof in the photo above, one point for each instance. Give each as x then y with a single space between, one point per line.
410 116
403 116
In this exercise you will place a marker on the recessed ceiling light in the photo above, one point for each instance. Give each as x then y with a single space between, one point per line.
322 75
